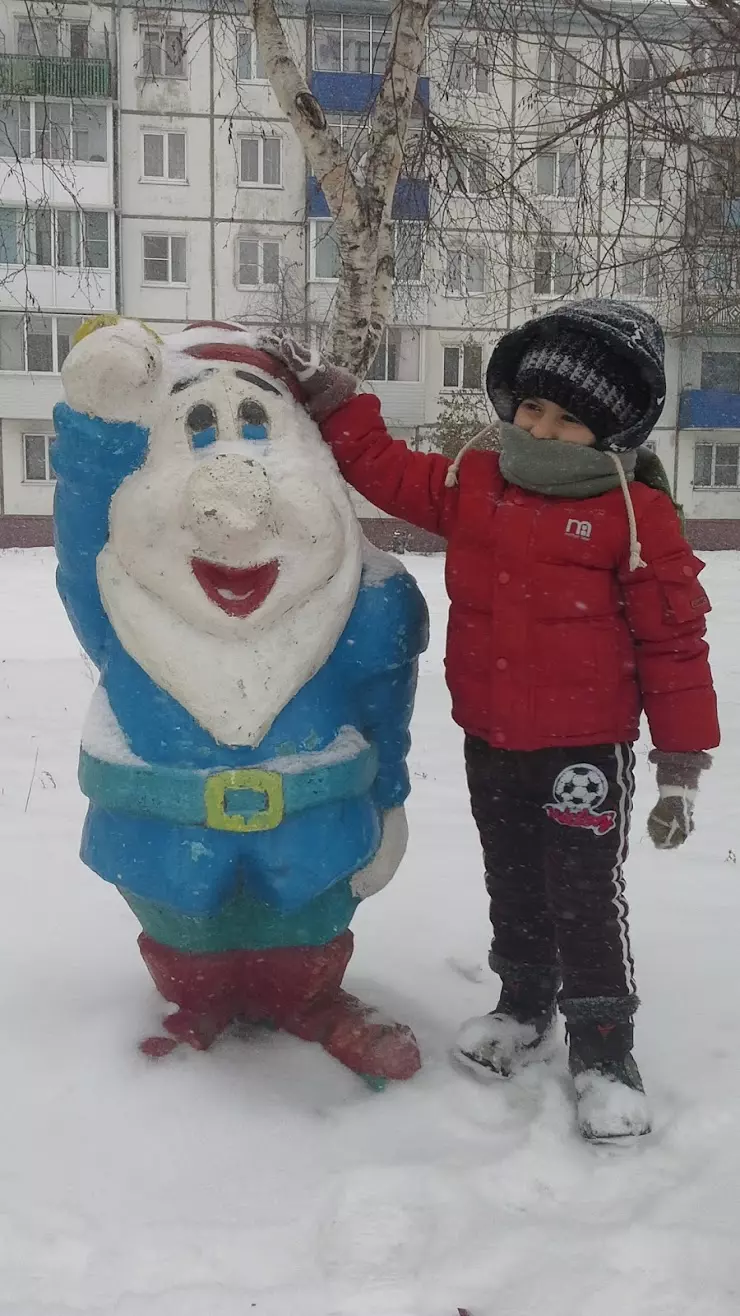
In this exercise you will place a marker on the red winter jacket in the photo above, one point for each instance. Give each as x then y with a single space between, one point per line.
551 640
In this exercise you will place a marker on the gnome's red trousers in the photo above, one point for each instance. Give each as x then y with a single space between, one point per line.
297 989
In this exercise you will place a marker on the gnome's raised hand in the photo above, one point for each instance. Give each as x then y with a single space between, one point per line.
672 820
325 385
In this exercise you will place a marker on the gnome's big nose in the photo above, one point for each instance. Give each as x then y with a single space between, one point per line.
227 504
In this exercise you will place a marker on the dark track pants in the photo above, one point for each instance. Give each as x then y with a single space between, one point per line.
554 827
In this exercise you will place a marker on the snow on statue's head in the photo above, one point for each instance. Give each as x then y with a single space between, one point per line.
234 555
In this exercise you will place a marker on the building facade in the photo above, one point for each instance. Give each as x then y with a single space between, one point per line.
146 167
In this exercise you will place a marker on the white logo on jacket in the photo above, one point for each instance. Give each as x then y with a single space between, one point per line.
578 529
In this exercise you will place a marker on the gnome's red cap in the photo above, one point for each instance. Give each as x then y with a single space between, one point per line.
245 355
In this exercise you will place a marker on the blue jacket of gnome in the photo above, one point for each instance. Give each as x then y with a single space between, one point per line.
196 822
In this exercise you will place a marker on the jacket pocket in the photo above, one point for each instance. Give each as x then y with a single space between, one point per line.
683 597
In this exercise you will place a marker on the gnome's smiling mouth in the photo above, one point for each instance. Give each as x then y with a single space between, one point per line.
237 590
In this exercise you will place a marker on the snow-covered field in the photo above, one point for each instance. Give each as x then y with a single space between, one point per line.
262 1177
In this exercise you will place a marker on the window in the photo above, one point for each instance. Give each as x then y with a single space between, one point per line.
78 40
408 252
556 72
466 269
249 67
58 130
463 366
723 72
40 237
721 370
39 36
553 272
353 131
260 161
644 176
11 236
259 263
643 70
326 258
468 170
468 69
397 358
94 252
15 130
716 465
718 273
36 464
351 45
640 275
36 342
163 52
164 258
164 156
556 173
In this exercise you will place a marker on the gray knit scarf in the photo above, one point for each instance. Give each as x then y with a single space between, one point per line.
560 470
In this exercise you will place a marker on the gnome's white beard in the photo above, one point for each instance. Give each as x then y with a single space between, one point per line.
234 688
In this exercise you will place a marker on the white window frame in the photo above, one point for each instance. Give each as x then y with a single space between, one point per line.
376 39
255 59
33 129
164 283
260 243
656 69
35 21
720 488
555 255
640 163
557 153
708 281
461 348
261 138
314 240
39 315
49 478
26 234
552 80
398 329
467 73
649 278
465 164
165 134
398 226
467 253
162 28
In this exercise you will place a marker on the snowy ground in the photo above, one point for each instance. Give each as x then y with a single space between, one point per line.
265 1178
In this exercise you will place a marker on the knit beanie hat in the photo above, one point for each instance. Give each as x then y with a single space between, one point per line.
598 358
584 377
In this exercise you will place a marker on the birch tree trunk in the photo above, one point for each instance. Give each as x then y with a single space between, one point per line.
360 200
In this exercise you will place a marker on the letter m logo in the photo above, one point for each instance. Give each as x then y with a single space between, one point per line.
578 529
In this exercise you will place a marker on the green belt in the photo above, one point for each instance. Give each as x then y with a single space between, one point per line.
232 800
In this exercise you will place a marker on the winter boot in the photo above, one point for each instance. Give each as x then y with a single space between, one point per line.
521 1028
610 1099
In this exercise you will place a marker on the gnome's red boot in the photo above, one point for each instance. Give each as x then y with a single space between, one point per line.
296 988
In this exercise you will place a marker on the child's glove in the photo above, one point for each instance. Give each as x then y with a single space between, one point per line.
325 385
672 820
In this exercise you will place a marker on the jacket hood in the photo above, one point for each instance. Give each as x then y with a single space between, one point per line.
628 331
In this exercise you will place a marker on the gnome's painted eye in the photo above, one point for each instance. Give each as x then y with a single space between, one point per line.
201 424
253 418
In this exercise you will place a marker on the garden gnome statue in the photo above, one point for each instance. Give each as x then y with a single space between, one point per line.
245 753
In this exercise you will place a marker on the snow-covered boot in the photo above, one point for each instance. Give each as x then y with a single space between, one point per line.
521 1028
610 1099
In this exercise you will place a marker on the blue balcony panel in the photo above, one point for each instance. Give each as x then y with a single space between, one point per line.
410 201
709 409
354 93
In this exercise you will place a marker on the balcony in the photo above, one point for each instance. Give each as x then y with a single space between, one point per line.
410 200
55 75
354 93
709 409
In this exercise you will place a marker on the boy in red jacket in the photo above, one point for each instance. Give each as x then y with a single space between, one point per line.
574 605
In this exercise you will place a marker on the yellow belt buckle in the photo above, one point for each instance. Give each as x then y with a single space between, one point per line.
259 780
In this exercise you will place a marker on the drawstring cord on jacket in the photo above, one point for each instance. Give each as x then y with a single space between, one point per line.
487 432
635 546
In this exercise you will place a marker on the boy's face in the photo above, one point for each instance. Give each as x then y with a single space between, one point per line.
547 420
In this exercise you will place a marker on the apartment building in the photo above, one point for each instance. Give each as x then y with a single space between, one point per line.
145 166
